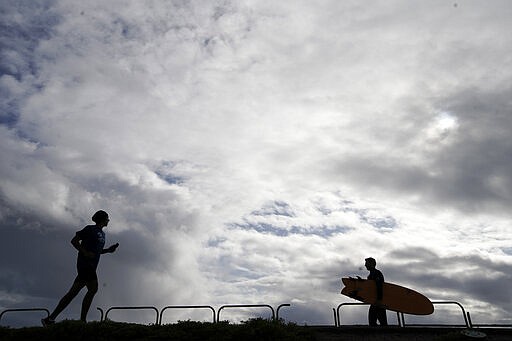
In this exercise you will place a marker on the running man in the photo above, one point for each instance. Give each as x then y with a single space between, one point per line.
89 242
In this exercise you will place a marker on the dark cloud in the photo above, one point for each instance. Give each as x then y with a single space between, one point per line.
34 259
475 172
471 173
453 278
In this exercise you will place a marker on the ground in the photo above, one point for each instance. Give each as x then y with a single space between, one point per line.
257 329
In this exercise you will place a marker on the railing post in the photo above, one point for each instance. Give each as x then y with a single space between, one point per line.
343 304
101 313
279 307
24 309
469 320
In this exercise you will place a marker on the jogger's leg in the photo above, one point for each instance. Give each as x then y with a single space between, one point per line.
92 289
68 297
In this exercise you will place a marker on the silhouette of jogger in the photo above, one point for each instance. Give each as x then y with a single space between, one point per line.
89 242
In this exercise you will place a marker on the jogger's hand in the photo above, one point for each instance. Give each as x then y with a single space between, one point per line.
113 248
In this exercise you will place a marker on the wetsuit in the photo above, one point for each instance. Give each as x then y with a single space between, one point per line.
375 312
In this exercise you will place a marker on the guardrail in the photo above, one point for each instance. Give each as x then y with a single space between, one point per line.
159 314
134 308
187 307
215 314
246 306
337 321
275 313
24 309
101 312
279 308
401 316
467 320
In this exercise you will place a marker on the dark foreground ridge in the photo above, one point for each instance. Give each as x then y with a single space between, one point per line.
256 329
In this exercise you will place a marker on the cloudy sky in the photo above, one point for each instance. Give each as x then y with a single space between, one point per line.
254 152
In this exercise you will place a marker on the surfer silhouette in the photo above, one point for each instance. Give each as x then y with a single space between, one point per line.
376 311
89 242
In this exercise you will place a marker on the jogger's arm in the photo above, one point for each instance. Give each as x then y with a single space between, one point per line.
76 243
111 249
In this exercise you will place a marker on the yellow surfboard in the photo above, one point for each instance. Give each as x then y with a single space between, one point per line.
394 297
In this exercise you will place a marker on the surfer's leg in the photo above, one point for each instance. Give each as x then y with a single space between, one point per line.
372 316
382 316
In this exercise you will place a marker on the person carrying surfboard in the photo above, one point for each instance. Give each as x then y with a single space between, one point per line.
89 242
376 311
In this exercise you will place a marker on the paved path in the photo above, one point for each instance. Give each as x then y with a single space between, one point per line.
403 334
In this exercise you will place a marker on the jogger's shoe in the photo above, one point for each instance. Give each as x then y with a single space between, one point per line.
47 321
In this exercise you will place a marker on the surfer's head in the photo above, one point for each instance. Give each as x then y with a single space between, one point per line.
370 263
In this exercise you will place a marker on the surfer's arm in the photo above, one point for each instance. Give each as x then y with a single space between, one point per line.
379 281
379 291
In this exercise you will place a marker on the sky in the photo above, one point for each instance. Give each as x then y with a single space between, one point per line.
255 152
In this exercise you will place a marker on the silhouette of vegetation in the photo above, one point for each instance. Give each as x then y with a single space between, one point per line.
254 329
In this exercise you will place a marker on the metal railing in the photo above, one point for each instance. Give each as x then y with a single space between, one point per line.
215 314
186 307
246 306
23 310
279 308
134 308
401 316
467 323
337 320
101 312
275 313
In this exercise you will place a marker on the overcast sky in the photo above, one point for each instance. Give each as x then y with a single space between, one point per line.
254 152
